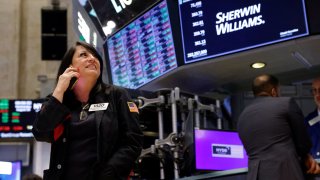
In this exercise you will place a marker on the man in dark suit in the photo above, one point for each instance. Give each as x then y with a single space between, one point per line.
273 133
313 120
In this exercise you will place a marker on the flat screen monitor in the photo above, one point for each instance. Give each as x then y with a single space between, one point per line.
115 14
143 50
217 150
10 170
214 28
81 21
17 116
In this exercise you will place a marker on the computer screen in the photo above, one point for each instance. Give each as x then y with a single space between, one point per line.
115 14
143 50
218 150
17 116
82 20
214 28
10 170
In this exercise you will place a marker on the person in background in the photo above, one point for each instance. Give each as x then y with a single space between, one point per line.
312 123
312 120
31 177
273 133
92 127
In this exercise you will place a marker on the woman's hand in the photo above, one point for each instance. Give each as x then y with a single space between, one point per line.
64 81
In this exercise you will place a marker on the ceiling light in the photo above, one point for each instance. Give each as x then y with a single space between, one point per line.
109 28
258 65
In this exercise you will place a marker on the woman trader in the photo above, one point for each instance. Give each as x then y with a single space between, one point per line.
93 127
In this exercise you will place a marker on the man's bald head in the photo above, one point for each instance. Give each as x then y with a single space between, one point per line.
264 85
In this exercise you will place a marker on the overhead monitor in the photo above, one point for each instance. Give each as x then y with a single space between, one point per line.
214 28
143 50
217 150
90 15
17 117
86 24
115 14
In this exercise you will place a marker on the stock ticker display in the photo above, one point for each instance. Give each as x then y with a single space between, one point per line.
143 50
17 117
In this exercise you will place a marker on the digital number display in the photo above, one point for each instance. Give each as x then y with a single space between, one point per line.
17 117
214 28
143 50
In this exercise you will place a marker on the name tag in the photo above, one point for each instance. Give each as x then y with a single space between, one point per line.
314 121
98 107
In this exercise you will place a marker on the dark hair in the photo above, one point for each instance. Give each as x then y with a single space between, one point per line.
264 83
67 60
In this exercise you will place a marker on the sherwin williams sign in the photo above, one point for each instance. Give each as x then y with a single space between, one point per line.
214 28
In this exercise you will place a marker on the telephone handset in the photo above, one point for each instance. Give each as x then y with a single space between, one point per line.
72 83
